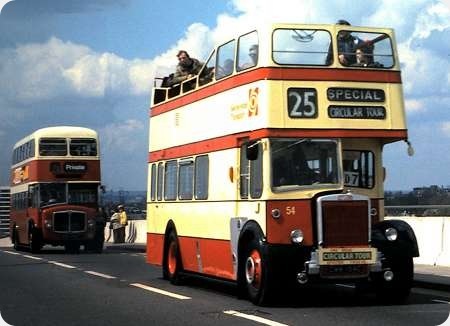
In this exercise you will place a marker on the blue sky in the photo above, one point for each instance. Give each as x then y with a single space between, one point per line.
92 62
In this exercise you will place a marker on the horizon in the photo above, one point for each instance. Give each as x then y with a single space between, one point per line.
92 63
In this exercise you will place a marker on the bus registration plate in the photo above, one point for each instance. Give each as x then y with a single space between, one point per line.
347 256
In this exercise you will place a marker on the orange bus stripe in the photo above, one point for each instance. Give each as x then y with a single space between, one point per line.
40 170
311 74
232 141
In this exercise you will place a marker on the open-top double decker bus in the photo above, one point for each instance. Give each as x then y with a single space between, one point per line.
266 168
55 179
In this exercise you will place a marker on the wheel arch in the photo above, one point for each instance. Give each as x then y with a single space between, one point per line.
406 243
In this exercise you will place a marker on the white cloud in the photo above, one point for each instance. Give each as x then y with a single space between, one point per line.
36 72
123 136
445 128
414 105
435 17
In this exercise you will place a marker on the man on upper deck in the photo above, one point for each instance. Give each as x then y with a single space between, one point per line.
347 45
187 68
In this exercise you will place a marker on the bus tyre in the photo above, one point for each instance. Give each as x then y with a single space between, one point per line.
34 240
397 290
96 245
15 240
172 267
254 274
72 247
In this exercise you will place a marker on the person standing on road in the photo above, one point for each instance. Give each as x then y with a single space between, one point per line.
123 222
114 224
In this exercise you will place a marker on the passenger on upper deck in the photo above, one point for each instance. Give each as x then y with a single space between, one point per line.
361 58
347 45
187 68
253 54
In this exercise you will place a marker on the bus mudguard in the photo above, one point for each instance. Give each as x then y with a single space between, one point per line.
405 243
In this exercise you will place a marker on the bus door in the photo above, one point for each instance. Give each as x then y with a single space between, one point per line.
249 190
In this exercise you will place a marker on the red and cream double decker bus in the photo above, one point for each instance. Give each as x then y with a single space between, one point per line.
55 178
267 167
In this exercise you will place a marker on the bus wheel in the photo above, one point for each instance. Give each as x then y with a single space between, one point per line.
172 261
254 273
398 289
72 247
34 240
15 240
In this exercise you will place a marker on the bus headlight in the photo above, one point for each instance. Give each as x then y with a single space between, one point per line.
276 214
391 234
48 224
297 236
91 223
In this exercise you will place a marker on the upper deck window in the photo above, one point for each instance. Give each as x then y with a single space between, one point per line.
53 147
83 147
362 49
207 72
247 51
301 47
225 60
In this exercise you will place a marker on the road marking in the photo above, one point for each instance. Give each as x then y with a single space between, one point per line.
32 257
440 301
60 264
100 274
11 252
152 289
254 318
346 285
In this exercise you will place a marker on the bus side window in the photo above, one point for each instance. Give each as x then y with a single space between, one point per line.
153 183
159 188
170 180
33 196
244 174
251 174
225 60
247 51
201 177
207 73
359 167
185 179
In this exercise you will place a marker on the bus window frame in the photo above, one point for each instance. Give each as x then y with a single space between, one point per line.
171 180
185 189
92 152
153 184
357 33
360 168
325 62
241 67
160 184
52 151
219 72
200 184
206 74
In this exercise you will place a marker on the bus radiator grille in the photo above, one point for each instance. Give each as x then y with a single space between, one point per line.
345 223
69 221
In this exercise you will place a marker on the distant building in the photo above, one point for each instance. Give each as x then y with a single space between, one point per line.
4 209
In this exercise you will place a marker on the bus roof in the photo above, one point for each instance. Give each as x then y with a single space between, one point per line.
59 131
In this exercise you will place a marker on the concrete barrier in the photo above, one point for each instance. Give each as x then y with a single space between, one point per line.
432 232
135 232
433 238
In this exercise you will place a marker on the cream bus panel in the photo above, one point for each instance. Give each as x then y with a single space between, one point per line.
238 111
206 219
248 108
